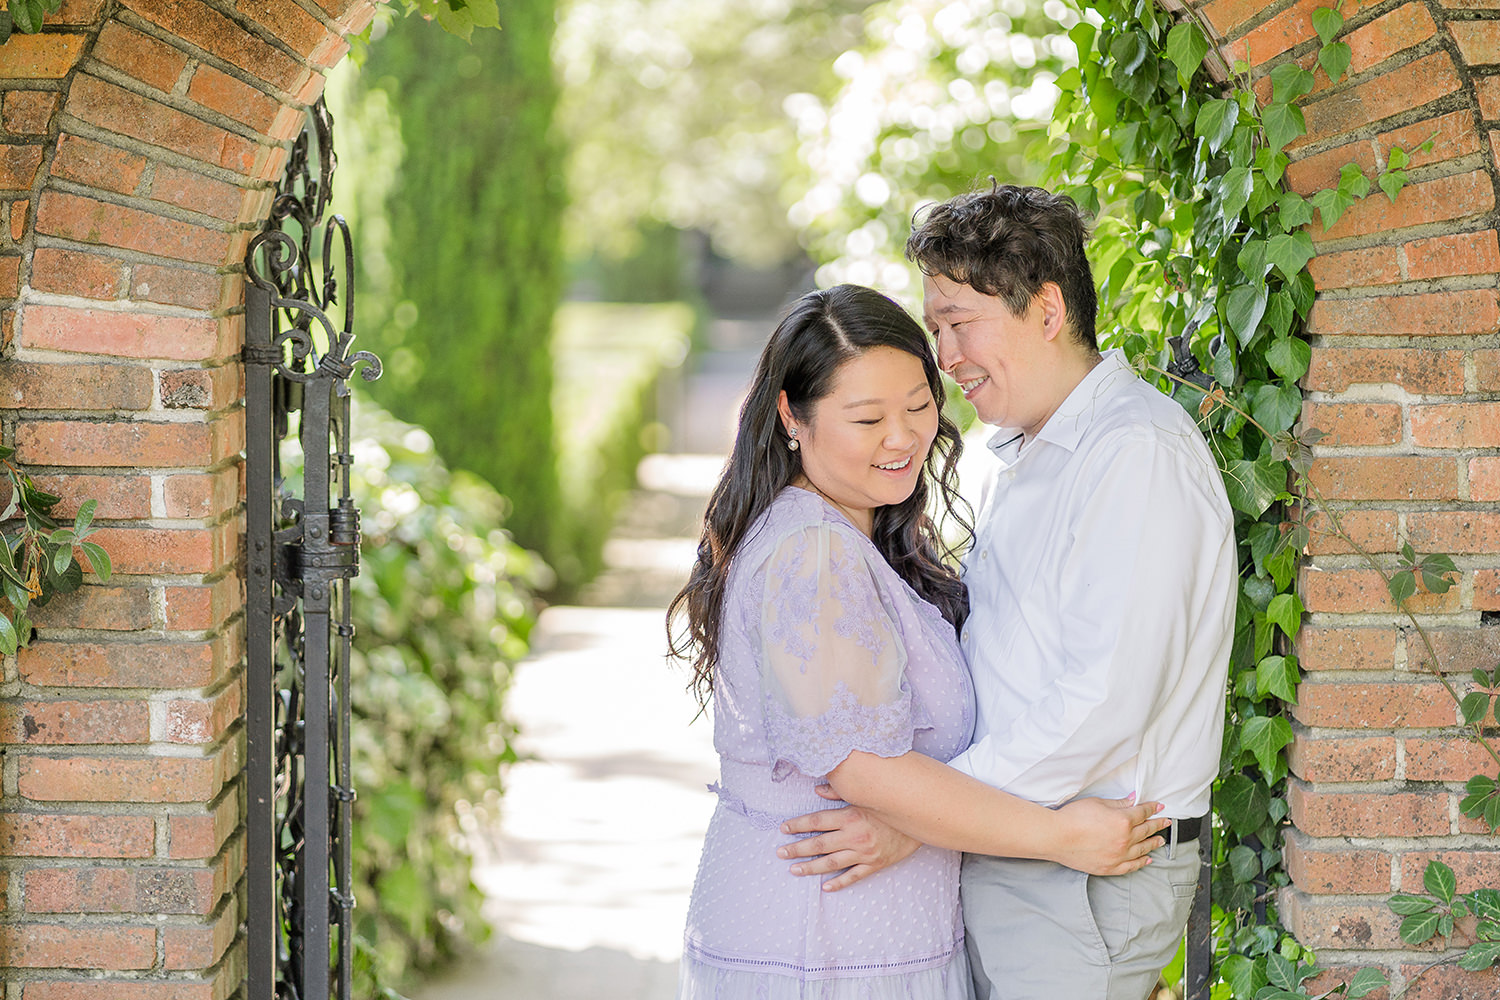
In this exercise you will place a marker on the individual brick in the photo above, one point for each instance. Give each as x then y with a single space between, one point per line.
1404 88
76 272
198 946
1386 477
115 109
157 890
153 62
1433 758
1484 479
196 608
1354 423
1371 530
77 387
1360 268
162 550
119 609
202 835
29 112
90 221
122 496
1353 648
1454 531
179 286
1442 199
120 334
1433 314
62 835
1456 425
1324 759
71 721
97 165
1427 372
1454 254
167 665
1367 814
1340 923
196 192
76 946
234 99
1347 704
1319 869
47 55
202 720
1447 982
19 165
131 444
123 779
1478 41
1353 591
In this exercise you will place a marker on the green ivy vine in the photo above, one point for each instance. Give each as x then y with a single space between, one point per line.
1201 251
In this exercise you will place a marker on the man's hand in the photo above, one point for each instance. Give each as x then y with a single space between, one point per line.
851 840
1109 836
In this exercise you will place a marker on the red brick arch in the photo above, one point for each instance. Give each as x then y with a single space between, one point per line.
1405 379
140 143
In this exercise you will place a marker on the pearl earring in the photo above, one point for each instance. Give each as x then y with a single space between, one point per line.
792 445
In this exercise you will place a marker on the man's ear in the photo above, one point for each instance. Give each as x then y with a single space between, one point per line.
1054 310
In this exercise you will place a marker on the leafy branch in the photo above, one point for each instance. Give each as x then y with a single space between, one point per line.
37 559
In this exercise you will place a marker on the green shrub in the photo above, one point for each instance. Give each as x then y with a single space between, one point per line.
470 268
442 609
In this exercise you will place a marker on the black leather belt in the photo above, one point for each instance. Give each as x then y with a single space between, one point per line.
1188 829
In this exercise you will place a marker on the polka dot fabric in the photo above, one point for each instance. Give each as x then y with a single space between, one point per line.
755 931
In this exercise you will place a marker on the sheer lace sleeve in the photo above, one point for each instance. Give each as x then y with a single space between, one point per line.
832 661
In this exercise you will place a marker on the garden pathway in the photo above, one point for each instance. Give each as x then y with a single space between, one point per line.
589 872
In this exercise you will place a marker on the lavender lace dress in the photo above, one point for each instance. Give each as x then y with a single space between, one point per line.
824 650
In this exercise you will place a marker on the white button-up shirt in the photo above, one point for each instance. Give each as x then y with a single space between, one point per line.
1102 583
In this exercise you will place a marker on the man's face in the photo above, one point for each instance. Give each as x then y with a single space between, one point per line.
995 356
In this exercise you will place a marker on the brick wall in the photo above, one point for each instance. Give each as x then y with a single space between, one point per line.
139 140
1404 378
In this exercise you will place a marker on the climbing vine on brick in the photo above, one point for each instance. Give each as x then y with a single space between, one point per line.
1201 257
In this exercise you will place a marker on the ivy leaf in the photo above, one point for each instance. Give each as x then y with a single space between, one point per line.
1264 736
1253 486
1243 308
1396 158
1278 675
1474 706
1440 881
1244 975
1289 82
1480 956
1280 972
1282 564
1236 186
1244 863
1366 980
1402 586
83 522
98 560
1215 122
1252 259
1405 904
1419 927
1335 60
1290 252
1326 22
1285 610
1279 313
1482 800
9 638
1283 123
27 15
1295 210
1243 803
1289 357
1276 407
1186 48
1272 163
1353 182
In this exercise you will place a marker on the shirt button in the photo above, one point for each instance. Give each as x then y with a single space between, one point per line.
984 553
966 635
1010 474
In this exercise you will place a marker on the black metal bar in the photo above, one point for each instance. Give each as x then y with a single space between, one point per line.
260 711
1197 973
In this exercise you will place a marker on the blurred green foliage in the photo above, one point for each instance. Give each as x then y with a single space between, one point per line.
468 270
442 609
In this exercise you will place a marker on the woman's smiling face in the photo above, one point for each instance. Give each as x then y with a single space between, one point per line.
866 441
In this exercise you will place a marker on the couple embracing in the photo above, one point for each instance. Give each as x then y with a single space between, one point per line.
987 733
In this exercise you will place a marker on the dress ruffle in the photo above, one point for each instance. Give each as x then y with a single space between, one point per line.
699 980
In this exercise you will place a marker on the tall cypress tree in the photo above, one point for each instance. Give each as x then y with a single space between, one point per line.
475 219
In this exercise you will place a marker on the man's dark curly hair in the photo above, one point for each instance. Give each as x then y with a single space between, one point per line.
1007 242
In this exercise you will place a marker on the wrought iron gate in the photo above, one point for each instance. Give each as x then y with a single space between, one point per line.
301 553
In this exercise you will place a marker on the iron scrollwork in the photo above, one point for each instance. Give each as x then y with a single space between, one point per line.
300 555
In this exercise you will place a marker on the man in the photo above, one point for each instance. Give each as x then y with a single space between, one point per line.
1102 588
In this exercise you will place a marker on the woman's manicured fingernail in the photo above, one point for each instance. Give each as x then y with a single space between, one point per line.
782 852
796 869
784 829
1130 797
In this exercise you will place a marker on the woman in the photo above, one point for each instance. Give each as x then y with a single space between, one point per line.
821 617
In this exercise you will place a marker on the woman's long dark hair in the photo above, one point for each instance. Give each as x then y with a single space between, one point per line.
822 332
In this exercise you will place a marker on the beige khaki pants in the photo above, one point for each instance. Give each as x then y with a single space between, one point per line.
1039 931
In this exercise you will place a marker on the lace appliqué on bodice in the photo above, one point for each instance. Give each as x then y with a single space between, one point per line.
816 745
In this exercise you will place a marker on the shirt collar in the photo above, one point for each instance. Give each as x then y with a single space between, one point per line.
1068 423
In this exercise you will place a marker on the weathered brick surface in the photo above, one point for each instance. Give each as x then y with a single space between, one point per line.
1382 477
1447 982
1333 868
88 220
98 165
1338 759
41 56
77 387
71 722
1354 423
71 272
1355 648
149 60
124 779
1427 371
63 835
27 112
